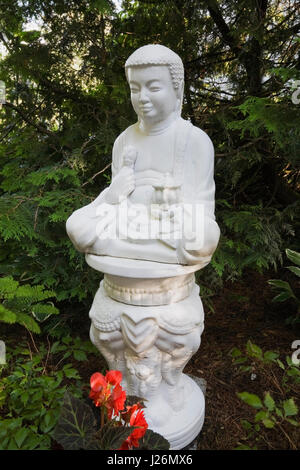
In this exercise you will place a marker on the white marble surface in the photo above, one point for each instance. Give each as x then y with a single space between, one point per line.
140 268
160 203
148 232
151 345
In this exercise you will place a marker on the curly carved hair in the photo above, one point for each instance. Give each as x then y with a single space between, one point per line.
156 54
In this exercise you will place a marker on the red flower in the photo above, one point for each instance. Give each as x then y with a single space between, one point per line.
125 445
114 377
100 391
138 420
116 401
130 410
107 391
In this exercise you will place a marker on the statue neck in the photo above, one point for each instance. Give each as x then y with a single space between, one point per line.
156 128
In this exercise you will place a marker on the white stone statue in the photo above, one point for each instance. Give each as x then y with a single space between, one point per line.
149 231
160 160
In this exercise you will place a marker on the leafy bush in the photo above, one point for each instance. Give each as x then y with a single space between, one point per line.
122 424
20 303
286 292
32 387
67 100
271 412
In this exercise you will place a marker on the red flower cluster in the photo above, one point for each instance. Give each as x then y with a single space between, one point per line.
107 391
134 416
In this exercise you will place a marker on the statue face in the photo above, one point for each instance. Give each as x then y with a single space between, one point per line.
153 96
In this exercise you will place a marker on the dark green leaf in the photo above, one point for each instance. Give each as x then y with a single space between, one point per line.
279 284
79 355
112 437
153 441
20 436
270 356
76 425
294 269
293 256
282 297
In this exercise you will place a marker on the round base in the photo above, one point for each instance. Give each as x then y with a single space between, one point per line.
181 427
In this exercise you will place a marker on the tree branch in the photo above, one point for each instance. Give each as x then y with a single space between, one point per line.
222 26
39 127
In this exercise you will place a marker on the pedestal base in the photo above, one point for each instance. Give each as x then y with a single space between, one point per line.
181 427
148 328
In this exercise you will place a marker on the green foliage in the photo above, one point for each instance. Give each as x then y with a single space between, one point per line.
271 412
14 436
20 303
254 357
68 347
31 394
286 292
153 441
267 114
67 100
77 429
246 234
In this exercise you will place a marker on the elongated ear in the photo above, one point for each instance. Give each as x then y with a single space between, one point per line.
180 88
179 94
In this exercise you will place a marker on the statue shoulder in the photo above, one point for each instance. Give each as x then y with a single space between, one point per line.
123 138
199 153
201 141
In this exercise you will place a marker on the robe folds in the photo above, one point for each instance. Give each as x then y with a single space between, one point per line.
169 216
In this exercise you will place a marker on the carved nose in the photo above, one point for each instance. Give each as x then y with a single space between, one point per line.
143 97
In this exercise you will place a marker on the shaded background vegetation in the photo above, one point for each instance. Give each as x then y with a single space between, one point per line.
67 100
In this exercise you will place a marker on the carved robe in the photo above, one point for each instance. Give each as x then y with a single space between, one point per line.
183 155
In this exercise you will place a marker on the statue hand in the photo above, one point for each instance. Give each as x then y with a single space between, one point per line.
121 186
129 156
189 253
168 224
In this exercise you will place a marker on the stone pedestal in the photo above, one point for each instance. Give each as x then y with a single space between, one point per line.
147 319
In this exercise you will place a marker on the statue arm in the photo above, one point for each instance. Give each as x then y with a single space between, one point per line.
116 163
201 232
81 225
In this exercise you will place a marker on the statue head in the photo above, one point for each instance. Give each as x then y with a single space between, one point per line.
159 72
